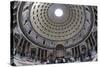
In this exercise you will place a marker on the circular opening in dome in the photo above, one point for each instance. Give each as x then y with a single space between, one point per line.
58 12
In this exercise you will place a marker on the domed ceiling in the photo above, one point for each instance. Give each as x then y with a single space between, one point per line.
47 24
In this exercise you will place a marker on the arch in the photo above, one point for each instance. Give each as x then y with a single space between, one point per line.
60 47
